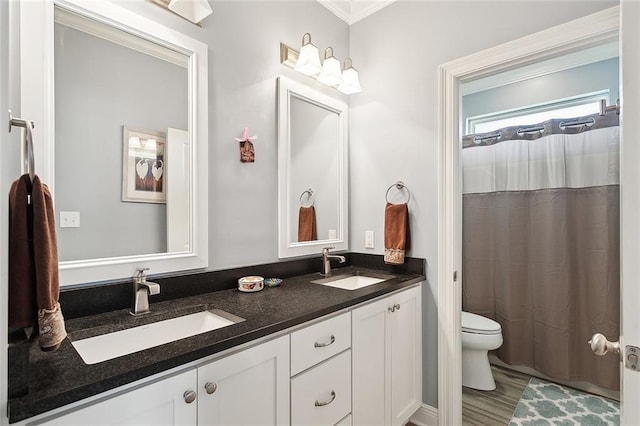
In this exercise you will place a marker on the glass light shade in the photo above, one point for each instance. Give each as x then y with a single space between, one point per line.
308 60
193 10
331 74
350 82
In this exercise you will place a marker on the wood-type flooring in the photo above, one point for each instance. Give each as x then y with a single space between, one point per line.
493 408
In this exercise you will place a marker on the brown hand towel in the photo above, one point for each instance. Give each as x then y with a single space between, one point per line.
307 224
396 233
22 275
34 286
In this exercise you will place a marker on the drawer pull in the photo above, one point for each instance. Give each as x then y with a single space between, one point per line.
394 308
189 396
322 345
322 404
210 387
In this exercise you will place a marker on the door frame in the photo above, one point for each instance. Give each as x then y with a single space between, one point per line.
582 33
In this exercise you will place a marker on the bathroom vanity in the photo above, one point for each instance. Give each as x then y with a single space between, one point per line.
301 354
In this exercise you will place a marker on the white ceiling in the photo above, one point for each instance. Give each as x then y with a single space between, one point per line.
351 11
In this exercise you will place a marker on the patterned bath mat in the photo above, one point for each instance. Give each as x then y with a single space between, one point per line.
544 403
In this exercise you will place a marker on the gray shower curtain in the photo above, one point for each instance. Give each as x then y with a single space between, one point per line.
541 245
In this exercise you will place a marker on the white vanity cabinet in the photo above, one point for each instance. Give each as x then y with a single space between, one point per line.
248 388
387 359
360 367
163 403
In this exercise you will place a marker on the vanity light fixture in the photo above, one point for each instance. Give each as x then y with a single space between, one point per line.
331 74
308 63
308 59
191 10
350 81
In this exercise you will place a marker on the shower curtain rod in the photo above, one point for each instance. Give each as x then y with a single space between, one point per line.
548 127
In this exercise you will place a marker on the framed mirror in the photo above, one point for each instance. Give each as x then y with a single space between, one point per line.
312 170
122 140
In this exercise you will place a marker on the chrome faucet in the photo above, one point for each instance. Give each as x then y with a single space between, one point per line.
326 264
141 291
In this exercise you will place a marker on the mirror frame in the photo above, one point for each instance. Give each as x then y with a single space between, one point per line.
287 89
38 104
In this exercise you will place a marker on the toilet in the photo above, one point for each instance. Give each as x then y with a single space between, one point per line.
479 335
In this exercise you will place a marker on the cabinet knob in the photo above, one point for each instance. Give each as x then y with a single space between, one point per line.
210 387
189 396
394 308
329 401
324 344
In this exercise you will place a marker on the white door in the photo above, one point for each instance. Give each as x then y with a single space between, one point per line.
630 204
247 388
369 351
9 170
163 403
386 345
177 177
405 341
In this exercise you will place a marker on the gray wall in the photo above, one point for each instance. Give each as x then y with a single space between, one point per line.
100 87
243 39
244 60
393 122
590 78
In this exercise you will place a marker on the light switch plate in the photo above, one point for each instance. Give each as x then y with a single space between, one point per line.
369 240
69 219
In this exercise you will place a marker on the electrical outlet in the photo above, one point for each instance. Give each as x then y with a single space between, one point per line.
69 219
369 241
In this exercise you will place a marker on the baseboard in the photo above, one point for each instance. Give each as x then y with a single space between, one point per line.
425 416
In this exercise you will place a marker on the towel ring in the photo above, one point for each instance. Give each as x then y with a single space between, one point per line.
310 198
399 185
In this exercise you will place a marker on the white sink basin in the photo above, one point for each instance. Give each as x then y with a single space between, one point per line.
112 345
352 282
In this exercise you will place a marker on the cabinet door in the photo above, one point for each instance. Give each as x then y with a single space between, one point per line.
369 374
158 404
247 388
404 336
387 359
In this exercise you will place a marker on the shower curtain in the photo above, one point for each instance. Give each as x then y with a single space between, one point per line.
541 243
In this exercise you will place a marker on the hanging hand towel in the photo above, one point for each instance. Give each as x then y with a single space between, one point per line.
34 286
396 233
307 224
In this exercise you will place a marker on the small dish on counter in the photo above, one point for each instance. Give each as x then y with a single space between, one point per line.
272 282
251 284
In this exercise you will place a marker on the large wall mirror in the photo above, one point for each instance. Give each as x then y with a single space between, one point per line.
312 170
124 145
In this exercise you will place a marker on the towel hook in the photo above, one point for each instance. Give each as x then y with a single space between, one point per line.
310 198
27 147
399 185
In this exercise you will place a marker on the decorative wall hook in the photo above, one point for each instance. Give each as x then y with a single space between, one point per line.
247 151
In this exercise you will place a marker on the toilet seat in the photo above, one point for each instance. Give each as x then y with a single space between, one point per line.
477 324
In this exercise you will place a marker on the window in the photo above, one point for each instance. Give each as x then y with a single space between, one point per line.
577 106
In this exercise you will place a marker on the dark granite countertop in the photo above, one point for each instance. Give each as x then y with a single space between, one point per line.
61 377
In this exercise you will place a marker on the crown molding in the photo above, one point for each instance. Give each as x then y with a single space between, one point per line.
352 11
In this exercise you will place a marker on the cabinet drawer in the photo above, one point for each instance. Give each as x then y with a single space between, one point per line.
322 395
320 341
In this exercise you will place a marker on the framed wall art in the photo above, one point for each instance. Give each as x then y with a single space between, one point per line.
143 166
